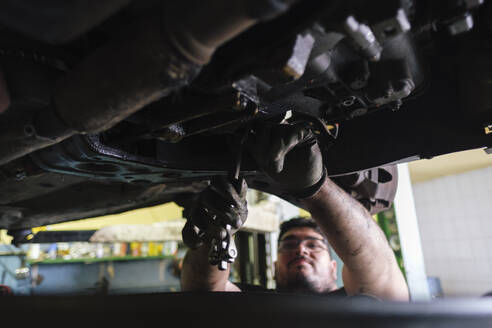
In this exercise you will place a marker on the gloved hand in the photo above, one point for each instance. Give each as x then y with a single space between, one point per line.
215 207
290 156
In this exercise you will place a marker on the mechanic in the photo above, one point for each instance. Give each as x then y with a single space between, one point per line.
290 156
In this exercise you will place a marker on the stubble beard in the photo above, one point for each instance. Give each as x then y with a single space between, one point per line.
301 282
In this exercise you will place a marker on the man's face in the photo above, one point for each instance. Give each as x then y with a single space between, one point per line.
304 263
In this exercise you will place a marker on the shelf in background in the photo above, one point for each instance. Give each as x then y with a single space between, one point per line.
102 259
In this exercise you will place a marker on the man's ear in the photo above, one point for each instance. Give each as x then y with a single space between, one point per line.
333 265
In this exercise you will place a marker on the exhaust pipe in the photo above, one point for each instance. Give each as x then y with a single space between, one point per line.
158 57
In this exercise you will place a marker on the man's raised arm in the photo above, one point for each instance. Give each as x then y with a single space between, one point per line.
370 266
218 205
290 156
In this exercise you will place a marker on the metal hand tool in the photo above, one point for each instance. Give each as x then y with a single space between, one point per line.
223 251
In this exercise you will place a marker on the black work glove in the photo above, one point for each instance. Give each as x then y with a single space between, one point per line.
290 156
220 204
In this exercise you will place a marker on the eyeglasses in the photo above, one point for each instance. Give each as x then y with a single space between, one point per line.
313 244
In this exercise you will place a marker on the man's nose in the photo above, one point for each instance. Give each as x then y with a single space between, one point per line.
302 249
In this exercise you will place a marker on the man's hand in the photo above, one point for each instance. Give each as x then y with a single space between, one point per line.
218 205
290 156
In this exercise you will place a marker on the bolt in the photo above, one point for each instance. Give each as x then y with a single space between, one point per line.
403 88
395 105
461 25
296 64
391 27
241 102
20 175
173 133
363 36
348 101
29 130
488 128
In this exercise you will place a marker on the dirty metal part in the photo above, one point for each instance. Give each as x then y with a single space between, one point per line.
266 10
10 215
159 115
22 138
474 3
396 75
150 64
349 85
218 113
391 27
360 111
241 102
91 198
456 17
218 121
357 75
461 24
88 156
364 38
249 87
4 94
56 21
488 129
296 103
239 148
246 95
29 123
152 69
324 135
92 157
197 33
200 114
34 57
392 91
22 179
374 188
296 64
173 133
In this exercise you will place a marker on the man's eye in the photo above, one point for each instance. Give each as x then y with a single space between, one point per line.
290 244
312 245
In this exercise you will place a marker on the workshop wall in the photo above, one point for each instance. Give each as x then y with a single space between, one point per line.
454 215
10 264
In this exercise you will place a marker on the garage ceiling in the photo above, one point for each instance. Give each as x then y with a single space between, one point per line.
449 164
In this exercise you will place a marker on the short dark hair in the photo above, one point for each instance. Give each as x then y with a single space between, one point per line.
302 222
299 222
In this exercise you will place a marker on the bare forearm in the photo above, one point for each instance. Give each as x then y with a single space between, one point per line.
356 238
198 274
349 227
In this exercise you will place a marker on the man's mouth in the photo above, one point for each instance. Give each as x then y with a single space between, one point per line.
299 261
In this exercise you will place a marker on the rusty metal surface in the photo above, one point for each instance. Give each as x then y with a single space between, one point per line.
4 94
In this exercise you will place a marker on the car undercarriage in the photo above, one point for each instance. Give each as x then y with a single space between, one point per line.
108 106
116 105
